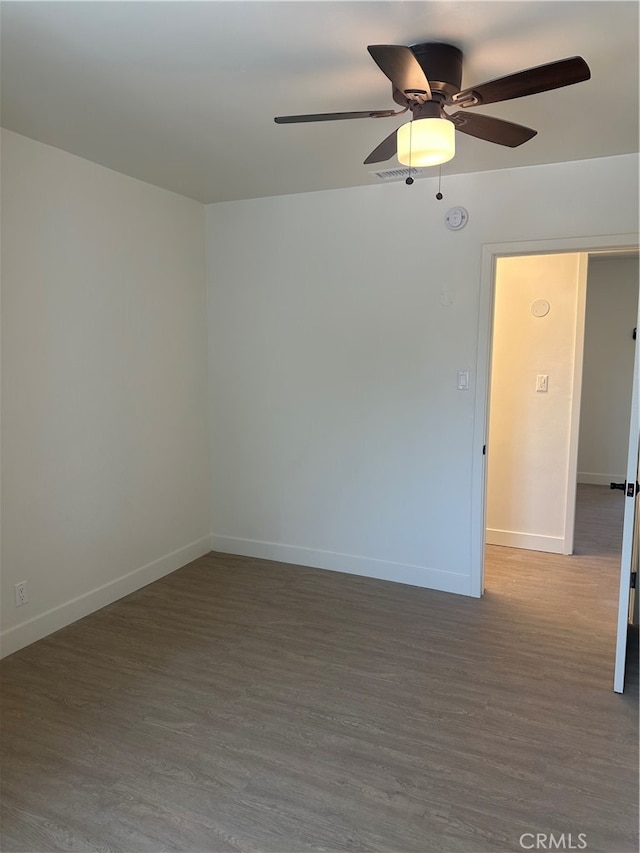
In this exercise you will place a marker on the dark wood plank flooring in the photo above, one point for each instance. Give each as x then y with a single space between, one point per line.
245 705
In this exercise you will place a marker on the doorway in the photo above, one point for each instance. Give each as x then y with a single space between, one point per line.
560 395
534 400
491 254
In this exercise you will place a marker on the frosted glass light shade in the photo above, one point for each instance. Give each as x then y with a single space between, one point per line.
426 142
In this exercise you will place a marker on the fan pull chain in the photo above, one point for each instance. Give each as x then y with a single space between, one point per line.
409 180
439 194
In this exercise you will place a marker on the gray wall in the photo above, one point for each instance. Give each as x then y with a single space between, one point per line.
611 314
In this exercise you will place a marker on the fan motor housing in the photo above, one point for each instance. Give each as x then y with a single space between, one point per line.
442 65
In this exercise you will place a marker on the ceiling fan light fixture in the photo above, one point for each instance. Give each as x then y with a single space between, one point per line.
426 142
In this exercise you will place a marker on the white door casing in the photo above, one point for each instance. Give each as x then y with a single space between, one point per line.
629 530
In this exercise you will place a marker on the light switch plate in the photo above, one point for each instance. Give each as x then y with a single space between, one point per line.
463 380
542 382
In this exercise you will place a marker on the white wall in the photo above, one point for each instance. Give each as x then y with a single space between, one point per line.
612 304
339 438
530 431
105 482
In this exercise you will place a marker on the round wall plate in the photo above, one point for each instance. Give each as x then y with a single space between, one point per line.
540 308
456 218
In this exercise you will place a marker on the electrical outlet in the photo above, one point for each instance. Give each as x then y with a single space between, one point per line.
21 593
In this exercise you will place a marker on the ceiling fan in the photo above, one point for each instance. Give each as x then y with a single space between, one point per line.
426 78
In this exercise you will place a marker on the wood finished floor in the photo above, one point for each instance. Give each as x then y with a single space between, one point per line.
245 705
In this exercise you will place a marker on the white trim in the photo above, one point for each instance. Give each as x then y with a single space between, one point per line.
77 608
629 527
481 420
574 414
491 251
592 479
348 563
530 541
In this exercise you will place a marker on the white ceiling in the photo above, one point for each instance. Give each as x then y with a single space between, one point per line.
183 94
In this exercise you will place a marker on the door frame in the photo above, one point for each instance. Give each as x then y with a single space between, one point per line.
629 535
490 253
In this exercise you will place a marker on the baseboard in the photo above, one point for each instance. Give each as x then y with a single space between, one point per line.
599 479
77 608
529 541
348 563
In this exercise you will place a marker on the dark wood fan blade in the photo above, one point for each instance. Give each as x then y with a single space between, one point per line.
402 68
385 150
492 129
542 78
334 116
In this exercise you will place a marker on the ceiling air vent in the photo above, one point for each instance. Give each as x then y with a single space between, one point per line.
398 174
